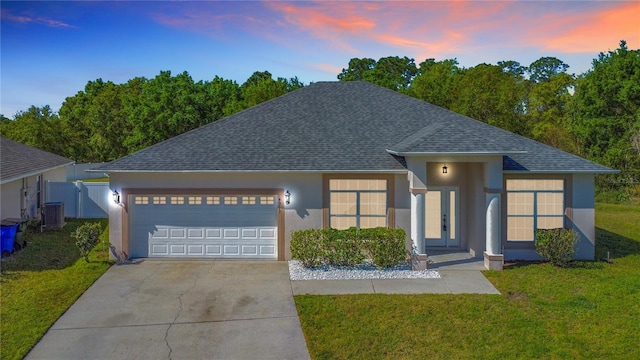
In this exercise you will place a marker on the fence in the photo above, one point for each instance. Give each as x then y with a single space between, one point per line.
81 200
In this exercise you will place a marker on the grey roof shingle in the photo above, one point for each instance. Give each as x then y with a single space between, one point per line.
18 160
340 126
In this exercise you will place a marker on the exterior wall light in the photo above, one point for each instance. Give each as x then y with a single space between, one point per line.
287 197
445 169
116 197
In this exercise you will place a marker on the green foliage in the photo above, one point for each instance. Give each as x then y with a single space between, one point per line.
342 247
306 246
384 246
556 245
87 236
392 72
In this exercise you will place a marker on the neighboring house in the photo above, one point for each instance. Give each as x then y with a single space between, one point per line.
341 154
23 173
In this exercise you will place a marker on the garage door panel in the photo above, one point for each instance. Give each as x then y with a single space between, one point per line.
205 229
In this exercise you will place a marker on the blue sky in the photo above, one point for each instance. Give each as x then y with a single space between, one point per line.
49 50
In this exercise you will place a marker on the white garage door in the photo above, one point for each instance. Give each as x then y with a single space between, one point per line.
224 226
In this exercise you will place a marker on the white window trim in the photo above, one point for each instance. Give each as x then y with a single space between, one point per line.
535 215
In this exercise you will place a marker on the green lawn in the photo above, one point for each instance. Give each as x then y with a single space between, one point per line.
39 283
591 310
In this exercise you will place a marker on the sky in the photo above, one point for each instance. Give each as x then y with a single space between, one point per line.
50 50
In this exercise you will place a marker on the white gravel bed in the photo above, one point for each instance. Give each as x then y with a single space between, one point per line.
366 271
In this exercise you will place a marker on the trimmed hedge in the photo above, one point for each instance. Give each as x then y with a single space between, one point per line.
556 245
385 247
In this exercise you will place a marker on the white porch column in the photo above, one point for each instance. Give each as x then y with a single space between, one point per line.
417 177
417 219
493 257
493 224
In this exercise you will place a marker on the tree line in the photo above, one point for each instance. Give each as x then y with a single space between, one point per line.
595 114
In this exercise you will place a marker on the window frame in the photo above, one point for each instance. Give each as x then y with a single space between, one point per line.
389 215
534 215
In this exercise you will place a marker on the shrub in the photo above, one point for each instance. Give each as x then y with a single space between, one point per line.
306 246
342 247
87 236
556 245
385 247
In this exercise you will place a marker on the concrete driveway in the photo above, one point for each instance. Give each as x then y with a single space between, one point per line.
181 310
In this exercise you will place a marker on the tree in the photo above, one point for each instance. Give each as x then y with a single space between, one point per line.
392 72
606 112
435 82
37 127
547 111
488 94
544 68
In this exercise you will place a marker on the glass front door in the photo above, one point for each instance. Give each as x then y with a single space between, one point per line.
442 214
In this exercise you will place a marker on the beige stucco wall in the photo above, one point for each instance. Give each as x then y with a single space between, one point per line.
579 212
304 212
582 215
21 193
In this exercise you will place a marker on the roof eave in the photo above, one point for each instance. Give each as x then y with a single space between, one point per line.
610 171
32 173
363 171
454 153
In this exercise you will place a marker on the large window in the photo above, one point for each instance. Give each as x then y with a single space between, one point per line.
357 202
533 204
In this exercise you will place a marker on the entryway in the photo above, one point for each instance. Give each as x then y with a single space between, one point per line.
442 216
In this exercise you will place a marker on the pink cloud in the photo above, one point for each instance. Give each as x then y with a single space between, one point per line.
593 31
40 20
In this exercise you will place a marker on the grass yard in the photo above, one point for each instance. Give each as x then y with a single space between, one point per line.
591 310
39 283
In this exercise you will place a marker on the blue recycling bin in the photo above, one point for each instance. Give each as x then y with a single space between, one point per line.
8 237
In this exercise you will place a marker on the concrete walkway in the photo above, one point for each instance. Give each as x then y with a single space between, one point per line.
451 282
181 310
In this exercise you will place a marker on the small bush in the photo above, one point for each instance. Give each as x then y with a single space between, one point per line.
306 246
385 247
87 236
342 247
556 245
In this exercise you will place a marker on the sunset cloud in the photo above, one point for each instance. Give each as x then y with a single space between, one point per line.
6 15
593 31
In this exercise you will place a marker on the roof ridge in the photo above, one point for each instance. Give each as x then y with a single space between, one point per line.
418 137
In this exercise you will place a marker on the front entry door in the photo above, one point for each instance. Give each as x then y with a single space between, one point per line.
442 216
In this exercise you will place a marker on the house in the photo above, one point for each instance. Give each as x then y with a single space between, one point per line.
341 154
23 173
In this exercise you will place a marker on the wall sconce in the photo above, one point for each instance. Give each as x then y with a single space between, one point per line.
445 169
116 197
287 197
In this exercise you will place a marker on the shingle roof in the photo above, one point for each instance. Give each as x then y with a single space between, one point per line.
18 160
340 126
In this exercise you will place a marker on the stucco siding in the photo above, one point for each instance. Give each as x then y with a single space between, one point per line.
22 194
10 199
582 215
403 206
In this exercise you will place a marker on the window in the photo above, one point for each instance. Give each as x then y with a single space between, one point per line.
159 200
248 200
195 200
267 200
357 202
213 200
231 200
177 200
141 200
533 204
